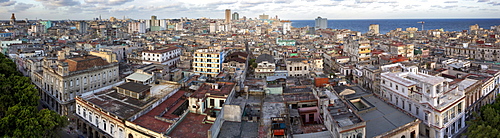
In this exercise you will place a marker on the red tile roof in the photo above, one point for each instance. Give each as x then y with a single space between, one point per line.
85 62
149 121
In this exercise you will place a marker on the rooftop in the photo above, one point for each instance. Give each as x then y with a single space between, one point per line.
191 127
384 118
134 87
117 104
170 105
217 89
85 62
139 77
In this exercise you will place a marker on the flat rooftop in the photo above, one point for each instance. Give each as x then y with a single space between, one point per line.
384 118
192 126
118 104
239 129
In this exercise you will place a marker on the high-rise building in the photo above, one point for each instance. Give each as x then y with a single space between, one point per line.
321 23
82 27
373 29
236 16
228 15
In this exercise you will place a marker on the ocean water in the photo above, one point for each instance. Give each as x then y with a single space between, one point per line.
386 25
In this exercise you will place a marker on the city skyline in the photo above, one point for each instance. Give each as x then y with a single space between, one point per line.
284 9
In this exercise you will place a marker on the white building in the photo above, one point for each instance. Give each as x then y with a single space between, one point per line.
320 23
169 56
432 99
209 61
137 27
297 67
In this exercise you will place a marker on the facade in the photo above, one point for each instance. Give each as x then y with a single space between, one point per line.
266 66
228 16
320 23
236 16
82 27
168 56
287 26
208 62
374 29
439 105
358 50
60 81
210 98
137 27
297 67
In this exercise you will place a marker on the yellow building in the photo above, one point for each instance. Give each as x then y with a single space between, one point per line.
208 62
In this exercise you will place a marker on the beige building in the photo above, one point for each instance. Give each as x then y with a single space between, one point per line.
60 81
208 62
110 57
297 67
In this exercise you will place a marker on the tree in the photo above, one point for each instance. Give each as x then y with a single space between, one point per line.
19 116
486 124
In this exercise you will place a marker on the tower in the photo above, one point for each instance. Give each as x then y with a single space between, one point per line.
373 29
228 15
12 19
236 16
320 23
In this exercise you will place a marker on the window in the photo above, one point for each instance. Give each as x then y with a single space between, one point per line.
409 106
97 121
221 102
111 127
416 110
84 113
403 101
104 124
397 87
212 102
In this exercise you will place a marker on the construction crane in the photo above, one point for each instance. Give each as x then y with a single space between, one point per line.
422 22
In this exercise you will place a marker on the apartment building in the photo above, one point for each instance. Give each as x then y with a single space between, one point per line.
266 66
167 56
357 49
61 80
208 62
297 66
437 101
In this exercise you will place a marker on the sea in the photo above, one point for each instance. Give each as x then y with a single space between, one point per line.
386 25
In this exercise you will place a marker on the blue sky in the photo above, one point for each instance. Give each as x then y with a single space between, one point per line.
284 9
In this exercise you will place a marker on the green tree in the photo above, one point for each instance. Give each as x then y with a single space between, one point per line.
19 116
486 124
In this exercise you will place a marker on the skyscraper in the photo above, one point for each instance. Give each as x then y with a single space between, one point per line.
236 16
320 23
373 29
228 15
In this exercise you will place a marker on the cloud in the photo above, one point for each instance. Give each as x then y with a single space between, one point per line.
283 1
444 7
411 6
365 1
483 0
494 3
58 3
108 2
451 2
388 2
21 7
7 2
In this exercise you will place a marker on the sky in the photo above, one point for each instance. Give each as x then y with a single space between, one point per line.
284 9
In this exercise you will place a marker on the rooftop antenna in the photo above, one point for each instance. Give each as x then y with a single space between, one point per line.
422 22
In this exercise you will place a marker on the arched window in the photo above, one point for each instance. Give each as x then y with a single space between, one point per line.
403 136
130 136
104 124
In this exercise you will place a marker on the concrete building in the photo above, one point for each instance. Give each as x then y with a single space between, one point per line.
440 105
266 66
287 26
264 17
228 16
82 27
106 113
61 80
297 67
358 50
208 62
320 23
167 56
235 16
137 27
373 29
